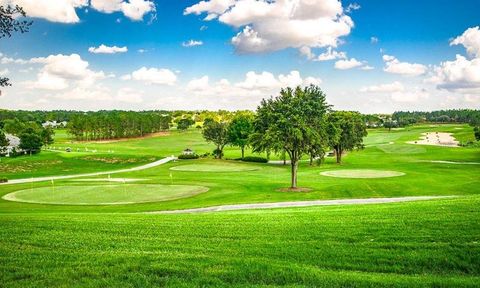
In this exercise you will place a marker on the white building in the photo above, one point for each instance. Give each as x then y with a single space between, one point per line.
54 124
13 145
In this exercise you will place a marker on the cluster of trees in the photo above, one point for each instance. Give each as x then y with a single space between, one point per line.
116 124
298 122
32 136
442 116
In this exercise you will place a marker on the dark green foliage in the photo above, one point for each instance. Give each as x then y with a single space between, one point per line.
216 132
239 131
3 180
442 116
116 124
476 131
256 159
30 141
184 124
47 136
3 139
351 129
188 156
291 122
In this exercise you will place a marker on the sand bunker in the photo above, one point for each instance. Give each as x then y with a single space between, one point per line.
361 173
436 139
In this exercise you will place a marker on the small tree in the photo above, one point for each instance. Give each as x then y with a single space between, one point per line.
3 142
9 23
184 124
290 123
30 141
239 131
476 131
351 129
47 135
216 132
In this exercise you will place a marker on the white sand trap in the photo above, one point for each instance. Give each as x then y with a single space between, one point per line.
436 139
120 180
361 173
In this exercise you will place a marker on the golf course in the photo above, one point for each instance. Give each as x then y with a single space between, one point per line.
110 230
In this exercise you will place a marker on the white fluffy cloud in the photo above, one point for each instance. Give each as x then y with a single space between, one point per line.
103 49
329 54
254 84
274 25
470 39
63 11
192 43
4 72
461 75
159 76
129 95
393 65
60 70
384 88
346 64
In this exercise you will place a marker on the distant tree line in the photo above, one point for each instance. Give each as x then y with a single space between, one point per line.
468 116
116 124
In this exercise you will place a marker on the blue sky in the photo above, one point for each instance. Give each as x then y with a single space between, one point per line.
384 55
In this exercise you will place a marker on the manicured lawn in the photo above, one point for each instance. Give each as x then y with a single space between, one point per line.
417 244
423 244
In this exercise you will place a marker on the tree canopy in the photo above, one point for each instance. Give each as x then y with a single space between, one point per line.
351 129
290 122
239 131
216 132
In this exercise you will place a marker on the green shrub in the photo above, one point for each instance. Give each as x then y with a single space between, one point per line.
188 156
254 159
3 180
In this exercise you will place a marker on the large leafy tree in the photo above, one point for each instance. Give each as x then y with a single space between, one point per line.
351 128
9 23
291 122
184 124
239 131
31 141
216 132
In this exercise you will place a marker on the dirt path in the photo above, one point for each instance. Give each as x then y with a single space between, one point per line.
49 178
299 204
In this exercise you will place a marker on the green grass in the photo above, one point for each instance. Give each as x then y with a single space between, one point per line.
422 244
104 194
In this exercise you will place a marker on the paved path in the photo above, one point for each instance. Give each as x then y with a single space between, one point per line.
299 204
48 178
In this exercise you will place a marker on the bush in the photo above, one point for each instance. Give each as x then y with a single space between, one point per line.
188 156
254 159
3 180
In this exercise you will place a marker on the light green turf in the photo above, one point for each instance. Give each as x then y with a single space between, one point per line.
104 194
220 167
361 173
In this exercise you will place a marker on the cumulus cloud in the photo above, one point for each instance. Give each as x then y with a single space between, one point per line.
4 72
192 43
461 75
384 88
254 84
275 25
103 49
63 11
470 39
346 64
394 66
158 76
60 70
329 54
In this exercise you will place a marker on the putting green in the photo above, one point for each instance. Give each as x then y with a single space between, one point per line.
104 194
361 173
224 167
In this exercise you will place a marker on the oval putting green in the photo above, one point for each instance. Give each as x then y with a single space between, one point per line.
361 173
104 194
224 167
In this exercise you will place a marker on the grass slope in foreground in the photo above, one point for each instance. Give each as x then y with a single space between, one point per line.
418 244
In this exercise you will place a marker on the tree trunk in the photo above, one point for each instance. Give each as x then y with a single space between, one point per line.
294 172
338 153
243 152
311 159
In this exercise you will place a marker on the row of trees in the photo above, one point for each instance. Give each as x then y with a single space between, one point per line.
116 124
298 122
441 116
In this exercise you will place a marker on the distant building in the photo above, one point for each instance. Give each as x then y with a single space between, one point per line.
188 151
13 145
54 124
